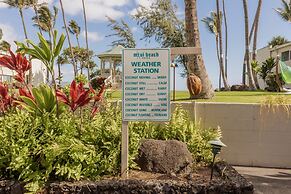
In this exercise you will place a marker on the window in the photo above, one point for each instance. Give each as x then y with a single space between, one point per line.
285 56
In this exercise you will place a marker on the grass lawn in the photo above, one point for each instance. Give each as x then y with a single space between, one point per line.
239 97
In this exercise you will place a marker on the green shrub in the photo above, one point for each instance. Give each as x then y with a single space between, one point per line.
38 149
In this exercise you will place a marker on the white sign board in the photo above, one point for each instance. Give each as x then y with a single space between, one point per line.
146 85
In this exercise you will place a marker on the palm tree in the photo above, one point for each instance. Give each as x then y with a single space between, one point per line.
86 34
60 61
211 24
219 31
277 40
196 63
35 5
75 29
20 5
254 52
68 35
247 44
4 45
45 20
226 38
285 12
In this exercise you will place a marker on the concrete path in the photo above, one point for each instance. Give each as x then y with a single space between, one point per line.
268 180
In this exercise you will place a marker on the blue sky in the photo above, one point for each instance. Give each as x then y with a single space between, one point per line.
270 25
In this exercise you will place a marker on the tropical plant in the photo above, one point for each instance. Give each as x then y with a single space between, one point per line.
75 29
46 20
285 11
36 150
123 32
6 100
60 61
247 44
17 63
196 63
277 41
160 21
39 101
69 39
212 24
79 96
21 5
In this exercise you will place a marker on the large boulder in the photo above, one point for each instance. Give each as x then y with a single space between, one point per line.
164 156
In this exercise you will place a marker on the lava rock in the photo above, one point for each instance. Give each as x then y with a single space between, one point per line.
164 156
239 88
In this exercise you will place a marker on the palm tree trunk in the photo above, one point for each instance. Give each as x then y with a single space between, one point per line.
196 63
226 39
86 35
81 62
247 44
218 59
254 54
221 62
69 40
26 37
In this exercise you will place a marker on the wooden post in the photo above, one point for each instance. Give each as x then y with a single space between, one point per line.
124 150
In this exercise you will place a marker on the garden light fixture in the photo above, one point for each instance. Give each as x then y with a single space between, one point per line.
216 145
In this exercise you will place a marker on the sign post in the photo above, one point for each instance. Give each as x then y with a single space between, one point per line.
146 90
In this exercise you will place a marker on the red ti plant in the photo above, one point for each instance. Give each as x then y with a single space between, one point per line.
6 101
98 97
17 63
79 96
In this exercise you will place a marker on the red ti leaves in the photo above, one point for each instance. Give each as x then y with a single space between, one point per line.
79 96
17 63
5 99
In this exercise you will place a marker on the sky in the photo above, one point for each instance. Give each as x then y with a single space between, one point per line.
270 25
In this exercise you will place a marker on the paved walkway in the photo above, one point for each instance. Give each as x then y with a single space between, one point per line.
268 180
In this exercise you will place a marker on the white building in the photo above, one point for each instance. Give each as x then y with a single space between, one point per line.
283 51
38 73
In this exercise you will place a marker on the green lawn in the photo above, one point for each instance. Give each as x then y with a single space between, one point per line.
239 97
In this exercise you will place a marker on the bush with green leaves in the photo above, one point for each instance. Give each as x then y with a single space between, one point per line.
37 149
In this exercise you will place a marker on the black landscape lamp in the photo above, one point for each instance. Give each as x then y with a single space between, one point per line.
216 145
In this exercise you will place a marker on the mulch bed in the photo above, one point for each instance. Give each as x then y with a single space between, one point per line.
226 180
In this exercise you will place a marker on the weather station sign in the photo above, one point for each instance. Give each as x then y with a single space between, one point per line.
146 84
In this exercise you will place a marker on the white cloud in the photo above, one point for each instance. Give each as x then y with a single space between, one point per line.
144 3
97 10
93 36
46 1
134 29
9 34
3 5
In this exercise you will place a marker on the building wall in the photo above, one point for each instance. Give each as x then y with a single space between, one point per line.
254 135
38 71
265 53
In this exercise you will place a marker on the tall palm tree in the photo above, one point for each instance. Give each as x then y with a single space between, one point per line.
196 63
211 24
277 40
21 5
247 44
254 52
35 5
86 34
219 31
60 61
45 20
75 29
68 36
226 38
